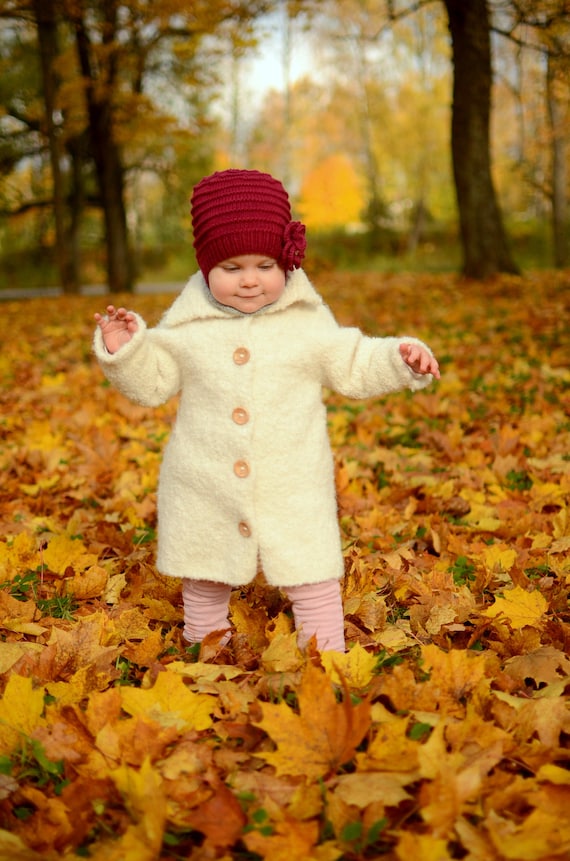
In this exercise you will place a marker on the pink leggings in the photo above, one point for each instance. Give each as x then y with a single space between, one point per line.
317 609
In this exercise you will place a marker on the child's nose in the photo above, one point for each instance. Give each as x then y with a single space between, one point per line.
249 276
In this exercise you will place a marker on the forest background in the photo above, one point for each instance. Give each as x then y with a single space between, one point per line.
427 135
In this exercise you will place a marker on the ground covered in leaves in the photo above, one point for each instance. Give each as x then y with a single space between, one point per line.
444 732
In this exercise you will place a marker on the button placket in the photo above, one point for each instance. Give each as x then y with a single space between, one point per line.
240 416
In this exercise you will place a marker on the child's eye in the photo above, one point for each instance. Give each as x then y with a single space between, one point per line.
267 266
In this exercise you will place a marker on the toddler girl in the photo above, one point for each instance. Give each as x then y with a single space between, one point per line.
247 476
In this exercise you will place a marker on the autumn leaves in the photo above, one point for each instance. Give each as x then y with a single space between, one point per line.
442 733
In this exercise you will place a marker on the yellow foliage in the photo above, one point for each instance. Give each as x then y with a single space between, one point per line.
21 709
332 195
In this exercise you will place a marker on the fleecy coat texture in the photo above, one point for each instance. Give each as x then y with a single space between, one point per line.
286 504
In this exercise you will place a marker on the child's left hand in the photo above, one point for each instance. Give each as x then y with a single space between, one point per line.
420 360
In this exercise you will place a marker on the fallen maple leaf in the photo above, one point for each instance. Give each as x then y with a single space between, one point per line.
319 739
391 748
543 665
424 847
364 788
21 709
63 552
292 839
170 703
356 667
518 607
539 836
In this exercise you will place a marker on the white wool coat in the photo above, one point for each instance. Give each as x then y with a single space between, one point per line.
248 472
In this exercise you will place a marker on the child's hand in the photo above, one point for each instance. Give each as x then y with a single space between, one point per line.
419 360
118 327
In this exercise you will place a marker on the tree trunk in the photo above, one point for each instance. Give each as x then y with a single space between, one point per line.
485 250
106 154
44 12
560 225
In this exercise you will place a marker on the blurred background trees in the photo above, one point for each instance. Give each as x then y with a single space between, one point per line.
429 130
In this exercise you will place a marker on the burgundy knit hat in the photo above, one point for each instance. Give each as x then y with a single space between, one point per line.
238 212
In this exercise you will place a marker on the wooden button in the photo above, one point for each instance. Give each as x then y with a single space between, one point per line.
241 355
240 416
244 529
241 468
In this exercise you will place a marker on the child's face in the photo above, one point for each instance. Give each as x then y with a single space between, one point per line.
247 282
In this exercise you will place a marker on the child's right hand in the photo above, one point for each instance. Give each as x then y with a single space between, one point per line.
117 326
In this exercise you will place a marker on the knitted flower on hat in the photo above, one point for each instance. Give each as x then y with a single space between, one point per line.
237 212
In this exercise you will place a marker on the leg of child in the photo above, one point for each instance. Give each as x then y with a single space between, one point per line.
205 609
317 609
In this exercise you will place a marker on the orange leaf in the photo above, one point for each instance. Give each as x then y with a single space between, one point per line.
319 739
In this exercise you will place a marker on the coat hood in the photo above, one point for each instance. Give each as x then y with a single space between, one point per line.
196 302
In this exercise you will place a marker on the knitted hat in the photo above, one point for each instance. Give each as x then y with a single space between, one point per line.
237 212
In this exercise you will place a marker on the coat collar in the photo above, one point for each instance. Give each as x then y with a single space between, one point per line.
195 301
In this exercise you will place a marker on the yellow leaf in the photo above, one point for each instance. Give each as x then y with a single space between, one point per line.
142 791
12 848
145 800
201 671
115 585
10 653
541 835
519 608
498 557
282 654
550 773
395 637
561 545
547 493
161 610
486 523
18 554
64 552
453 675
42 484
21 709
170 703
319 739
22 627
81 683
424 847
355 666
391 749
131 625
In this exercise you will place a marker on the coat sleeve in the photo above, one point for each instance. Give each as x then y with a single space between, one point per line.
358 366
144 369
